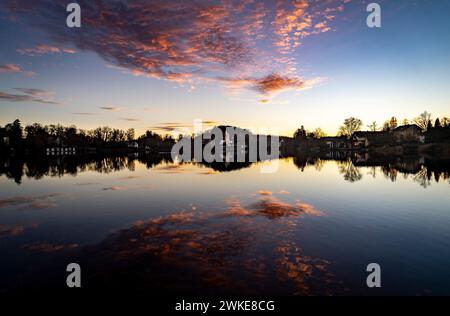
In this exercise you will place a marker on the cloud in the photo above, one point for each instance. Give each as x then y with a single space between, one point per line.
14 230
170 168
10 68
270 85
215 247
83 113
46 247
42 49
29 95
13 68
130 119
272 207
115 188
180 127
35 92
129 178
109 108
191 42
30 202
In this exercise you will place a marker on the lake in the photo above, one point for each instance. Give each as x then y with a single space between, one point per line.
145 223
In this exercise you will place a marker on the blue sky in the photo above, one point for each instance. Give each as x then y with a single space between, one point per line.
277 65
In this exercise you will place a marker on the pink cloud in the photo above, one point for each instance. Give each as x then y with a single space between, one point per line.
42 49
13 68
191 42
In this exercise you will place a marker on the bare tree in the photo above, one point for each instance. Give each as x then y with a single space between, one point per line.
422 120
350 126
373 127
317 133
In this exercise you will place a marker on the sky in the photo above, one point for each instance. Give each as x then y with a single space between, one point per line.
275 65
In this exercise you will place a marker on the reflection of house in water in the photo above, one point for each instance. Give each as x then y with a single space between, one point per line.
337 154
403 164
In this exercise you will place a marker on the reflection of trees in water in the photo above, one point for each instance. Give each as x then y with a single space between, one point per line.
350 172
242 250
15 167
372 172
302 161
37 167
423 177
318 164
390 173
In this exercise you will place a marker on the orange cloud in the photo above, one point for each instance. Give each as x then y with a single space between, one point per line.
270 85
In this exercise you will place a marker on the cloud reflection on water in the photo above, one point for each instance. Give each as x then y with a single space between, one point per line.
241 249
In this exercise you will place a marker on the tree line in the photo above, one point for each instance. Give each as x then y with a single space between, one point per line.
38 136
353 124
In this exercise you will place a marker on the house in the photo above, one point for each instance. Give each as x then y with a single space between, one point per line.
408 134
134 145
368 139
60 151
336 143
360 139
401 135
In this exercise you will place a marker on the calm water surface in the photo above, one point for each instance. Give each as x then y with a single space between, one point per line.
309 228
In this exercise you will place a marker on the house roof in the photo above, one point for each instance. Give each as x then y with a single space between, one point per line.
333 138
368 133
405 127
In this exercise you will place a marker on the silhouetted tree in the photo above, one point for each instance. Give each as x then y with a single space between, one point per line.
386 126
445 122
437 123
319 133
36 136
14 132
130 134
373 127
350 126
300 133
393 123
422 120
